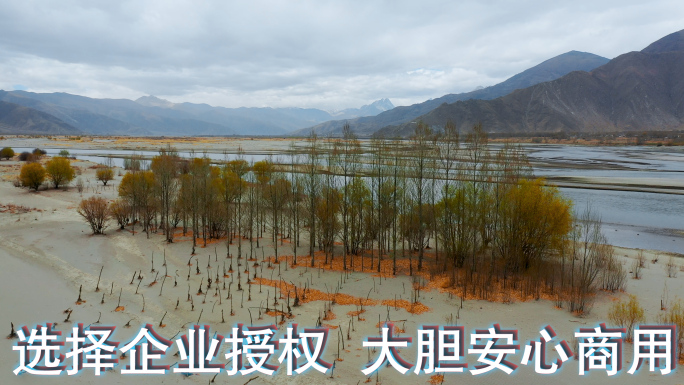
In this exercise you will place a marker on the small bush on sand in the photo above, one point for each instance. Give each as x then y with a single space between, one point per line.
627 314
60 171
121 211
95 211
675 316
80 186
6 153
27 157
104 175
32 175
39 152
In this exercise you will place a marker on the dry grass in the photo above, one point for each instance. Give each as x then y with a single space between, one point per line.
179 237
329 316
515 289
413 308
339 298
17 209
355 263
278 313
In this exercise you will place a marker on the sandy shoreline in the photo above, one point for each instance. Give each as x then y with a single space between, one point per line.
649 185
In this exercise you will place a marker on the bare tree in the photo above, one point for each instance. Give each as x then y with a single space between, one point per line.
240 168
421 142
349 164
587 252
296 199
277 195
95 211
312 185
165 169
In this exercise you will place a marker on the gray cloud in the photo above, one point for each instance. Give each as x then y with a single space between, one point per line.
325 54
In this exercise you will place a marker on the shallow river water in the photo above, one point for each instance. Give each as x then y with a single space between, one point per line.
631 219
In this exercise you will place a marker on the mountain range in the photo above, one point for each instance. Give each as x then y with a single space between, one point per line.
635 91
377 107
25 120
149 115
550 69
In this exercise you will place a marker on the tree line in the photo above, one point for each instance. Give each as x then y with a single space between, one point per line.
449 206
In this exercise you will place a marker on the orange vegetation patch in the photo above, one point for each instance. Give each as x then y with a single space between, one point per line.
396 331
278 313
120 308
313 294
16 209
357 263
355 313
338 298
436 379
413 308
179 237
497 290
330 326
329 316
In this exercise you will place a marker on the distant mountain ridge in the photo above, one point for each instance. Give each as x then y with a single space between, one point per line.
548 70
17 119
150 115
635 91
153 101
375 108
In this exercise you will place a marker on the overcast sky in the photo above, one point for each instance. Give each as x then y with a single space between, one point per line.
322 54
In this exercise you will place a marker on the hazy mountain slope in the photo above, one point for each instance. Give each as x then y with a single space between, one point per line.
256 121
17 119
635 91
671 43
548 70
373 109
115 116
85 121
